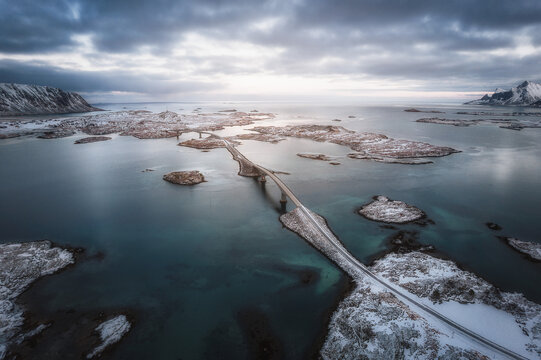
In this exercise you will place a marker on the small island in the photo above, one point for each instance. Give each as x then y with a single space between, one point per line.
92 139
321 157
110 332
530 249
184 177
390 211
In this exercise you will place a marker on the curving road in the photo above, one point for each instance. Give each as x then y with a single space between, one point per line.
396 290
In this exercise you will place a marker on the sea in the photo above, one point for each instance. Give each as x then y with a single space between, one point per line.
208 271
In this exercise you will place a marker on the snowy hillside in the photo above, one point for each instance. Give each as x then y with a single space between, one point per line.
526 94
19 99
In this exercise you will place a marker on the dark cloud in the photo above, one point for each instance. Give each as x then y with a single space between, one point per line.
94 81
416 39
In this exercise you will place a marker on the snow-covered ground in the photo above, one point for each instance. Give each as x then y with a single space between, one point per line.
111 331
370 146
141 124
20 265
373 323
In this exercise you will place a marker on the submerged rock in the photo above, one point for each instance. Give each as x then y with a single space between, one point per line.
390 211
20 265
92 139
111 332
184 177
493 226
261 341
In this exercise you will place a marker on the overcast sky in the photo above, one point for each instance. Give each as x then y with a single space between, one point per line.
171 50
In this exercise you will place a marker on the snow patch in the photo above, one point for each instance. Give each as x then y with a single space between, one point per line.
111 331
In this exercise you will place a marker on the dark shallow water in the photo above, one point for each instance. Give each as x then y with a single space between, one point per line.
202 266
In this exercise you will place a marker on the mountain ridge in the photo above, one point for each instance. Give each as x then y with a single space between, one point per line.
528 93
25 99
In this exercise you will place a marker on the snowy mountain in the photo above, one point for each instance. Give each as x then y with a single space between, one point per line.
19 99
526 94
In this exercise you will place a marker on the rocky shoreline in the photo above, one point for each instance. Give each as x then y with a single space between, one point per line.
20 265
530 249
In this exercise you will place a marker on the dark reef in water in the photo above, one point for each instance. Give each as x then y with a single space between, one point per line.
260 339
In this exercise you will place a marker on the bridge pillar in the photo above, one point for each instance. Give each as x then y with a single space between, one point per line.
283 198
262 179
200 135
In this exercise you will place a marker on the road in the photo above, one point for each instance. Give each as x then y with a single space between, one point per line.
395 289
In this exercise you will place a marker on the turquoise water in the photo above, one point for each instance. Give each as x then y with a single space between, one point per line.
189 261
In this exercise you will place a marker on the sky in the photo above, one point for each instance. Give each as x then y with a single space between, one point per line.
311 50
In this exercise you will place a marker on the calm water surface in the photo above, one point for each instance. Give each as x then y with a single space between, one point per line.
190 262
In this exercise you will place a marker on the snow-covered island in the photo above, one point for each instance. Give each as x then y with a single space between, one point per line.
370 146
527 93
531 249
510 124
313 156
110 332
390 211
373 323
20 265
22 99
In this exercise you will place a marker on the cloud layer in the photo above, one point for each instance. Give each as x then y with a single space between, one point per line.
165 49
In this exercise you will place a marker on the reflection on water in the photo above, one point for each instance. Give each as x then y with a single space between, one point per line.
200 265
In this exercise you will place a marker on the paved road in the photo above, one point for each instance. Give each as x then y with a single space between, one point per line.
396 290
